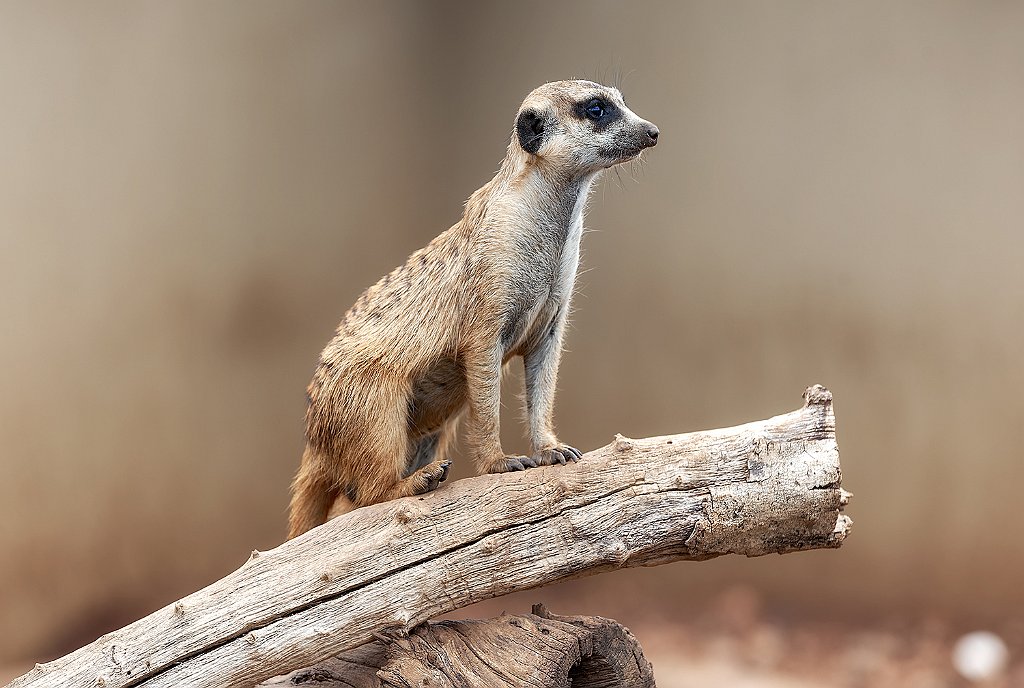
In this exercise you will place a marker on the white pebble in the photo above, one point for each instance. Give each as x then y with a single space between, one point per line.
980 656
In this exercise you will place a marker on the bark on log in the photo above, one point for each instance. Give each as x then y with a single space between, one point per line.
768 486
538 649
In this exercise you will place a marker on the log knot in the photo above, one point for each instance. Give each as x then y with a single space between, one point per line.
622 444
817 395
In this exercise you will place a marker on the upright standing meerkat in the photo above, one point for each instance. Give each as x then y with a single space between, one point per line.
429 340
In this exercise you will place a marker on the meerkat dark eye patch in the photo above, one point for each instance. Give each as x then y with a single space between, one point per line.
530 129
597 110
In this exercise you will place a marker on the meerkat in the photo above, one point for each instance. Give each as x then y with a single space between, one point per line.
426 344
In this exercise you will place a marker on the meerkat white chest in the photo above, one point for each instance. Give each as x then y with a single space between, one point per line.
569 260
553 257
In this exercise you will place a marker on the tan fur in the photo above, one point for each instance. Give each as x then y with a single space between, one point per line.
426 344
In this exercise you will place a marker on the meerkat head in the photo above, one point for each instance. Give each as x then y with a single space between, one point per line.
581 126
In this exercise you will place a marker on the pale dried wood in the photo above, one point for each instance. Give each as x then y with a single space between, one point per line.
541 649
768 486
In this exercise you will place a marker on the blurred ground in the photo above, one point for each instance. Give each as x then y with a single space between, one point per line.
191 194
739 640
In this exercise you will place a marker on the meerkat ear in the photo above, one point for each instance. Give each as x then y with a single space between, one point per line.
530 128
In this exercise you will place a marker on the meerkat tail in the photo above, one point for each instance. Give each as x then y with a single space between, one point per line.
312 497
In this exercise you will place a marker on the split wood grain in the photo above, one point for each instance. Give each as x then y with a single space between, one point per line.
540 649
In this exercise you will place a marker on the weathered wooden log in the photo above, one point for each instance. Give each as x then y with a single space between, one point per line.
538 649
768 486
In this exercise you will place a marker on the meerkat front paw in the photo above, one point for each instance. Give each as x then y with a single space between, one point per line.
511 463
560 453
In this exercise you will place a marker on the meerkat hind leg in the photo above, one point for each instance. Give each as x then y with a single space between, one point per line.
423 451
424 480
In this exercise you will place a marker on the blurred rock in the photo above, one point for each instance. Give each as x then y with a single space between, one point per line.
980 656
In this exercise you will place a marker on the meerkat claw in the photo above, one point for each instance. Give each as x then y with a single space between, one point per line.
513 463
560 454
527 461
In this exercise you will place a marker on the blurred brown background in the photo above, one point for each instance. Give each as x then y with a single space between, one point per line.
192 193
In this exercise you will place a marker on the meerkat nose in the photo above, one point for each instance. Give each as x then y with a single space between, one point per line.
652 134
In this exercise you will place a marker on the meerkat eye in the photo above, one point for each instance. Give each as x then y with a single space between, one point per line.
595 109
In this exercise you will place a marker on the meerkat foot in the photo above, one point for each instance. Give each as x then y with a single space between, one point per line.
507 464
431 475
560 454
